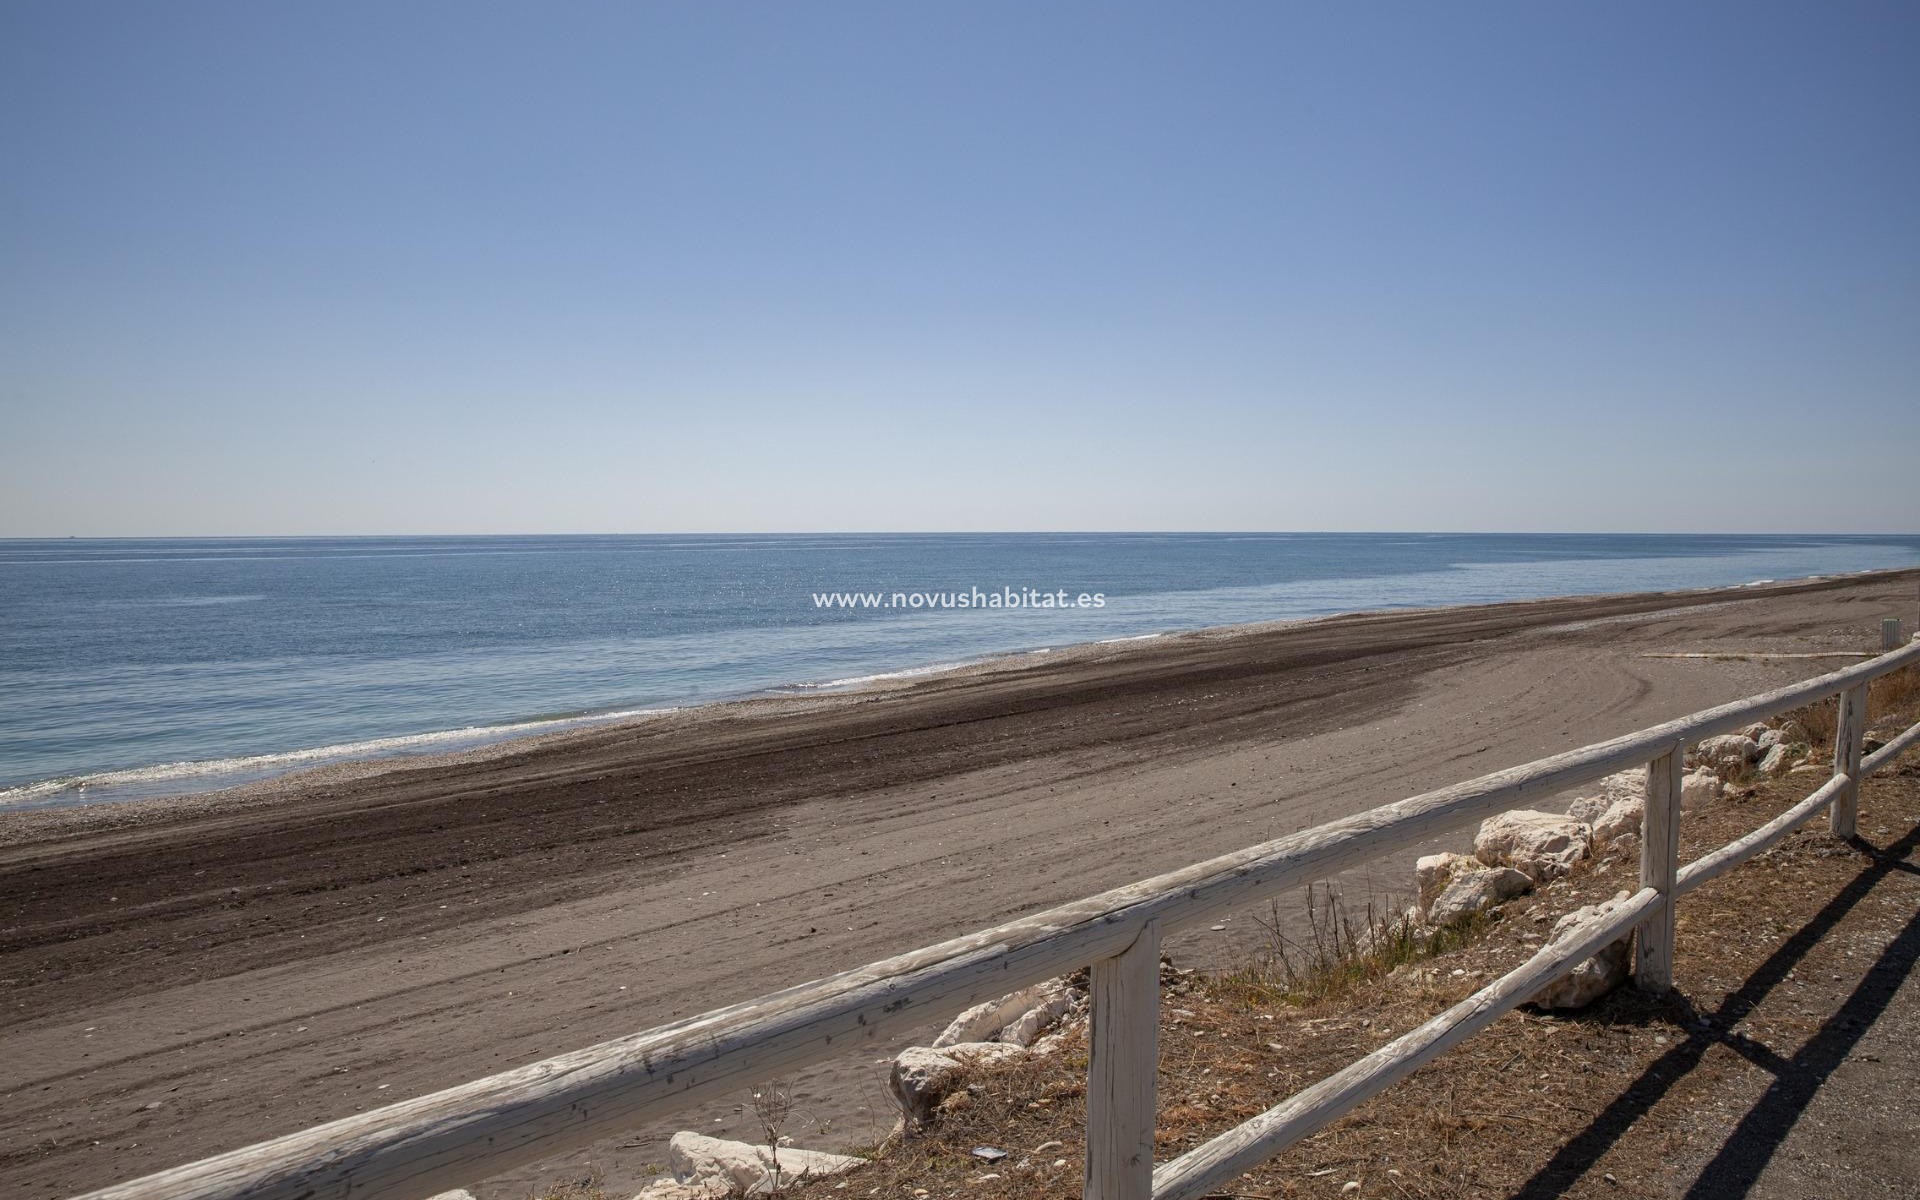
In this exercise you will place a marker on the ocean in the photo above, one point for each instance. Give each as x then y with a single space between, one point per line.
143 667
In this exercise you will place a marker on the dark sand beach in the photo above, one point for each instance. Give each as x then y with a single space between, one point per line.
181 977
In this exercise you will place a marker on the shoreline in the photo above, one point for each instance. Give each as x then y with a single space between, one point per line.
772 703
241 769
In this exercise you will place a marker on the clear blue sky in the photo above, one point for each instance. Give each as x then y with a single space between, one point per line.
330 267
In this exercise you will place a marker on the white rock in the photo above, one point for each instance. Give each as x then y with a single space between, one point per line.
1624 785
1587 809
922 1076
1755 731
1793 733
1697 787
1622 818
1476 889
1593 977
669 1188
1431 873
1777 761
1048 1043
981 1022
1054 1001
1728 755
1076 1021
1769 739
1544 846
705 1163
455 1194
1030 1008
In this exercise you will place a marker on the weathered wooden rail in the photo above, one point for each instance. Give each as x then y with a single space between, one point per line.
417 1147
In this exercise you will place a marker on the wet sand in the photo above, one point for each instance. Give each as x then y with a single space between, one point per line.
261 961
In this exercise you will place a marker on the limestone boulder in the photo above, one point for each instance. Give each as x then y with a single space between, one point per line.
1622 819
1016 1018
1699 786
923 1076
1476 889
1594 977
1624 785
1587 809
714 1166
1542 846
1777 761
1793 733
668 1188
1052 1002
1728 755
1756 731
1431 872
1052 1041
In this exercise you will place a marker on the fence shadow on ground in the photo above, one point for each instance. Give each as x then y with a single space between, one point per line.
1751 1145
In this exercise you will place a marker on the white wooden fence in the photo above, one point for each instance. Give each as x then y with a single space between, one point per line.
455 1137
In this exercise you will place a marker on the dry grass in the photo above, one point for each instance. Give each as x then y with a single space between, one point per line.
1341 952
1889 696
1821 721
1896 692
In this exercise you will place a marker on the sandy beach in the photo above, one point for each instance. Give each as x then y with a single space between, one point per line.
189 975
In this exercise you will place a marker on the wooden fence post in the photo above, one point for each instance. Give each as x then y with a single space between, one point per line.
1659 866
1123 1058
1847 741
1889 633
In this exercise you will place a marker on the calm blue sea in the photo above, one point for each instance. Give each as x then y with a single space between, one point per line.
145 667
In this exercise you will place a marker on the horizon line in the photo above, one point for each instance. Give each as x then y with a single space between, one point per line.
788 533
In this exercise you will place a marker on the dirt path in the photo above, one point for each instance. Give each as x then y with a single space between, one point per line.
259 966
1789 1070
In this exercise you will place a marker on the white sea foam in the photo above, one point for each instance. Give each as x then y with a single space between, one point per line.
145 780
1138 637
880 676
911 672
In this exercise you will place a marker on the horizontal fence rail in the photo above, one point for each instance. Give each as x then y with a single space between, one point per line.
454 1137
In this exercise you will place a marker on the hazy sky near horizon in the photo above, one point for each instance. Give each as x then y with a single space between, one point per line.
632 267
